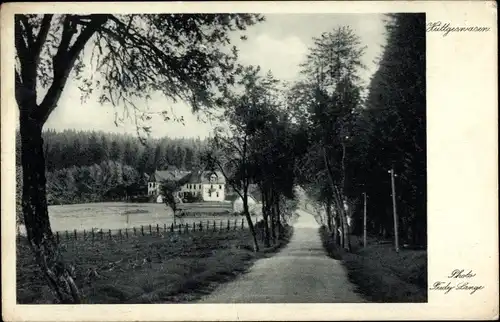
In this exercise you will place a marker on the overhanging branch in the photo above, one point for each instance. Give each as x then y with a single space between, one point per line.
64 61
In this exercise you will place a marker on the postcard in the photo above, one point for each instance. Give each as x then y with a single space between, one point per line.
286 160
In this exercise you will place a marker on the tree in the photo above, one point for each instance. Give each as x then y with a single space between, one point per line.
115 152
229 150
391 131
134 55
273 154
170 192
330 93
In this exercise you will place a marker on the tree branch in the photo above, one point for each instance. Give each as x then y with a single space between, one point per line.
21 48
64 61
41 37
28 30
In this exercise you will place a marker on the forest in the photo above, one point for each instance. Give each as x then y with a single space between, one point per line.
91 166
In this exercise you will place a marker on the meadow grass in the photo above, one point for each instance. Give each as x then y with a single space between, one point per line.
165 268
380 274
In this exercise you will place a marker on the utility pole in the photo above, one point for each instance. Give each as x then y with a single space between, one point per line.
364 220
396 237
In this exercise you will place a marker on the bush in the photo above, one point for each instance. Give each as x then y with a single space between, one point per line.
191 198
381 274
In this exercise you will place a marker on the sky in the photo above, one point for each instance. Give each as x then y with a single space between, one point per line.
279 44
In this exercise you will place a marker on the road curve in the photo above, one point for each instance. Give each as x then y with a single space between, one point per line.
300 273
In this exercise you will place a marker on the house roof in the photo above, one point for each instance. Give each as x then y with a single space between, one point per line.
190 176
204 177
171 175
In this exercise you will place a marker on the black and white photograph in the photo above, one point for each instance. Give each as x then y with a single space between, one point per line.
222 158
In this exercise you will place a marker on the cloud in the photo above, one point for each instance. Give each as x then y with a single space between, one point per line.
281 56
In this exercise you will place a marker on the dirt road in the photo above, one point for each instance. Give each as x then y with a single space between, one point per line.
300 273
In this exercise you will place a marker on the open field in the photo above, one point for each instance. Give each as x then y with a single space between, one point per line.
166 268
381 274
121 215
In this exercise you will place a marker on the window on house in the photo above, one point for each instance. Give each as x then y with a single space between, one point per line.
211 186
200 186
220 186
210 193
217 194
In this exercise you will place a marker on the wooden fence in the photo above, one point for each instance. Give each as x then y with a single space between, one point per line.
209 226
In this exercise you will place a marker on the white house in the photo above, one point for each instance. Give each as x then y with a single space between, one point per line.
157 177
209 185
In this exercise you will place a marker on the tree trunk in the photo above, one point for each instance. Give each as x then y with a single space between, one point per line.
265 215
35 211
272 209
278 218
329 215
335 231
345 230
249 220
341 222
273 220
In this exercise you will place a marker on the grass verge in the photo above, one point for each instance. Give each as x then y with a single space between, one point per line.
380 274
169 268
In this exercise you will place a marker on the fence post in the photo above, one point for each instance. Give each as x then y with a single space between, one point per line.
172 227
120 233
134 231
214 225
84 237
67 235
187 228
150 231
194 226
102 235
228 225
235 224
220 222
142 230
180 229
126 233
93 235
75 234
157 229
242 223
109 232
201 226
57 236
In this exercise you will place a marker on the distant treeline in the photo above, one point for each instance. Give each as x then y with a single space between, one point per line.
85 148
89 166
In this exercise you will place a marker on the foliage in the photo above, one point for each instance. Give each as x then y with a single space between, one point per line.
353 142
192 198
258 146
391 133
68 148
169 191
107 181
